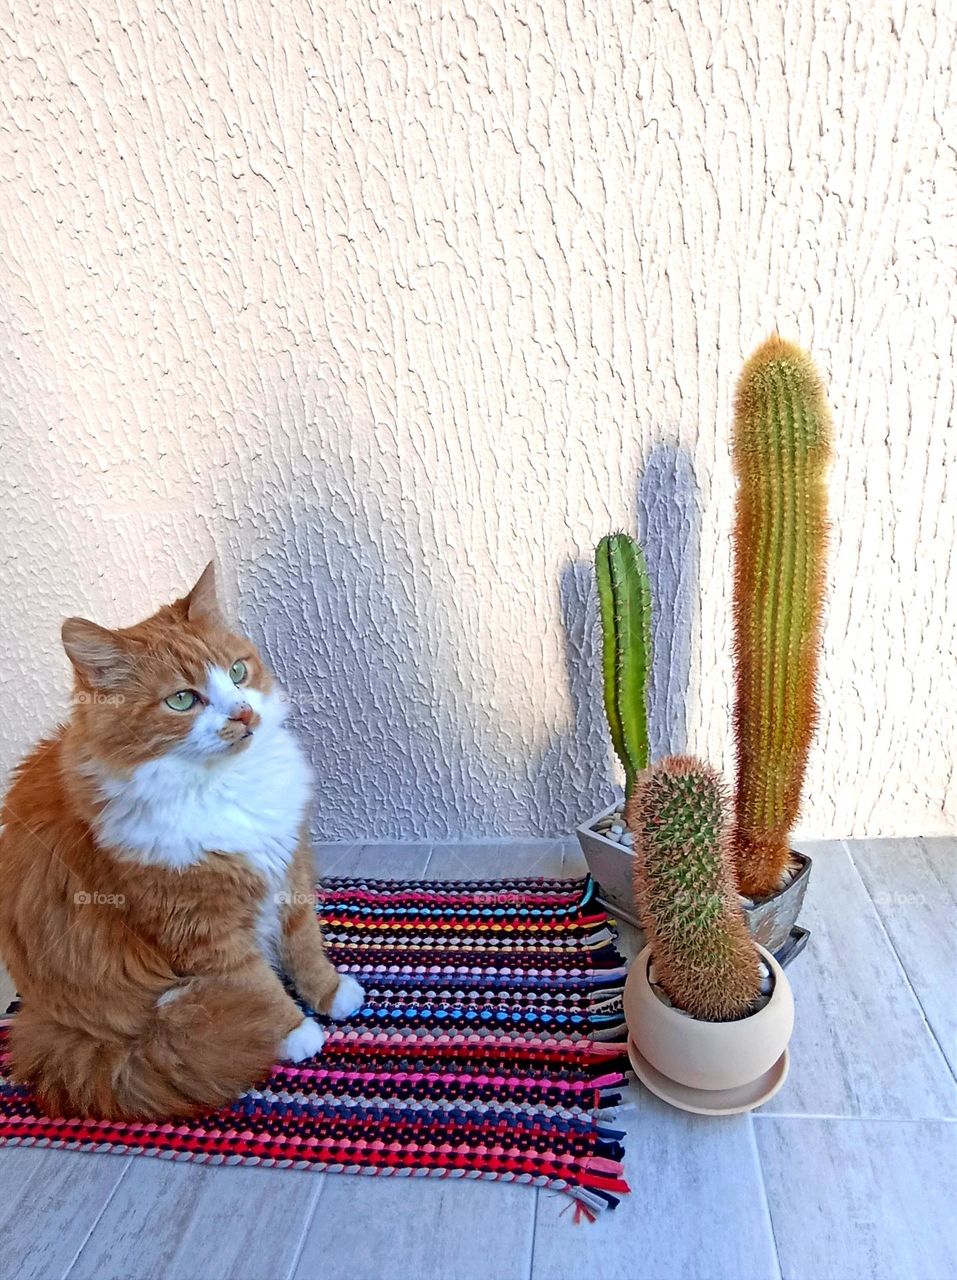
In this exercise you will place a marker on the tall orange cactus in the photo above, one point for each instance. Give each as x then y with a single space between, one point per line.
782 443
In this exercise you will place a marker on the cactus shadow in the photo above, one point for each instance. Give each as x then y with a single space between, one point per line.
572 778
669 521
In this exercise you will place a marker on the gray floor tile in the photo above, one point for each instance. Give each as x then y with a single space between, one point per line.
913 885
861 1199
388 1228
51 1200
180 1221
861 1045
496 859
379 861
695 1212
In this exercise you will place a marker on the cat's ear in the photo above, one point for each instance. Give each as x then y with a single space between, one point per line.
100 657
201 601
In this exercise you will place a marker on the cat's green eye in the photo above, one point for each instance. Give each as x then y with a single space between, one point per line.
181 701
237 672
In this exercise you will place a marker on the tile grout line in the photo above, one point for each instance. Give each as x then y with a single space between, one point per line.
921 842
833 1119
531 1249
845 844
765 1199
308 1218
96 1221
567 872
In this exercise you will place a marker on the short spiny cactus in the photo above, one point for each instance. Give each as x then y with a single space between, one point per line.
624 597
782 443
685 891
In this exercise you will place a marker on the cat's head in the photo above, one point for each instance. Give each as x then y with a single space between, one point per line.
181 682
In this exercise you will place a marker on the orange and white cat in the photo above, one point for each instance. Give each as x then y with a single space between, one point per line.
156 878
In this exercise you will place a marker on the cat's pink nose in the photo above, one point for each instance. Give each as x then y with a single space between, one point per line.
244 715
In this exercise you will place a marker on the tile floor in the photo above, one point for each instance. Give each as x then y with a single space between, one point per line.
848 1173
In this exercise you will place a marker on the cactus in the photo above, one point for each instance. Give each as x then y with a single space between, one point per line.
624 597
685 891
782 442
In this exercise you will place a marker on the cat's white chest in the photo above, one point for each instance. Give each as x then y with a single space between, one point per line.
173 812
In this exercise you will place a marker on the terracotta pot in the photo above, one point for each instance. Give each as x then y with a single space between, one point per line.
709 1067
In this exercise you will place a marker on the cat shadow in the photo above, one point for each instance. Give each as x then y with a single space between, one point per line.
327 593
362 696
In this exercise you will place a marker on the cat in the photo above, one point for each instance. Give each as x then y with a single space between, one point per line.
156 877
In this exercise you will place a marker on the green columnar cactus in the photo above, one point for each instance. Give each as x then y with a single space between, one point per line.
782 443
685 891
624 596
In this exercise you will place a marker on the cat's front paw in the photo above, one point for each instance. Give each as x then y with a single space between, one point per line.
348 998
303 1042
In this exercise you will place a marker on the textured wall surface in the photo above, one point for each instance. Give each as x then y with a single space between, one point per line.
397 307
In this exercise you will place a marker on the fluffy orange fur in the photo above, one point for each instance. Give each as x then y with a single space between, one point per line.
144 991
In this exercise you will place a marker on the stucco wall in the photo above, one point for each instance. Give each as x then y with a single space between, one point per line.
396 308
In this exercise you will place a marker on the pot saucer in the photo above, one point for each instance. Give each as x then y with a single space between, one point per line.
710 1102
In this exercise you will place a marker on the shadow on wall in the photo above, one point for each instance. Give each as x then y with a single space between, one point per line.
387 725
668 529
572 777
368 651
575 767
361 639
361 698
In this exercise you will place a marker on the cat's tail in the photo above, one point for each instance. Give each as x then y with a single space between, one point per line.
204 1044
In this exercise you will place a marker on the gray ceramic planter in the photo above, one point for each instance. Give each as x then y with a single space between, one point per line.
610 865
771 923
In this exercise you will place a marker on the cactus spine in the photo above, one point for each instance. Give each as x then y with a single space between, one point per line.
782 443
624 596
685 890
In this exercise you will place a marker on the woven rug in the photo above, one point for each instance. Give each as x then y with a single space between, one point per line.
491 1045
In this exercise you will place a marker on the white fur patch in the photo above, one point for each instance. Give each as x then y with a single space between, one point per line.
169 995
269 926
348 998
223 701
302 1042
203 797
